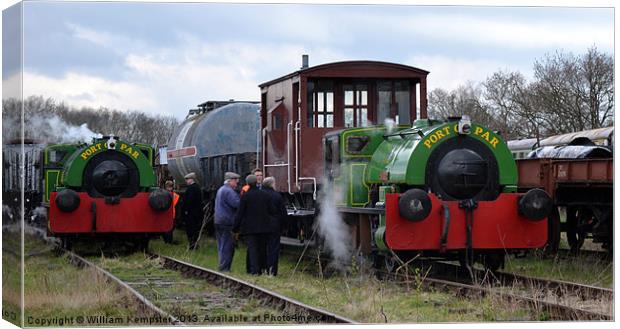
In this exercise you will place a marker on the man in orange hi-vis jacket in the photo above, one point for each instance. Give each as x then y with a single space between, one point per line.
169 185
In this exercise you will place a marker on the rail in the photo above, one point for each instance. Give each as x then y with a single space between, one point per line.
442 273
79 261
271 298
147 304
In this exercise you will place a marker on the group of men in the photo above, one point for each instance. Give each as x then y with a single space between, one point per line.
255 213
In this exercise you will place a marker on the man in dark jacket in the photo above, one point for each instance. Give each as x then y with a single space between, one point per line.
253 222
273 242
226 204
192 210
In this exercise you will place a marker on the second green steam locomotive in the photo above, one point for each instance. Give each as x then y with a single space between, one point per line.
446 187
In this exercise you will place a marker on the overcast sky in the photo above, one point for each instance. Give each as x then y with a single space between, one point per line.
167 57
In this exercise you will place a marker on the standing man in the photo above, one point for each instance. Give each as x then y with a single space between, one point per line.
273 241
259 180
226 204
252 221
192 210
169 186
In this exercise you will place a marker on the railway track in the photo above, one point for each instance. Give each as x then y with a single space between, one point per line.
551 299
553 310
560 300
162 317
307 313
547 297
155 315
162 292
600 254
560 288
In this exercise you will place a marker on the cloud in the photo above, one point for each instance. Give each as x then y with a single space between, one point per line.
188 75
172 73
116 43
513 33
171 80
97 37
12 86
78 89
450 72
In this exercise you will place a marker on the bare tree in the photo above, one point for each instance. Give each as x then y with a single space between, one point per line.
597 71
575 92
47 120
465 100
510 100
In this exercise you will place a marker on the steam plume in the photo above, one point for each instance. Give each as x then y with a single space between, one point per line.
390 124
333 229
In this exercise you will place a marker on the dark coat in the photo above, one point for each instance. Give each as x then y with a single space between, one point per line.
280 210
191 207
254 213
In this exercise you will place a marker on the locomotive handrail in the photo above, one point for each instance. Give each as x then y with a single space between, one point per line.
402 133
313 179
288 156
276 165
289 126
259 142
297 134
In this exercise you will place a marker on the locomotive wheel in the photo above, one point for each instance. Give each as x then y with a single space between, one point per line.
144 245
609 241
385 262
575 234
553 232
141 244
390 263
66 243
493 262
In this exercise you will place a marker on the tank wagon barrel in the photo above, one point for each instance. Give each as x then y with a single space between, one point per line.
215 140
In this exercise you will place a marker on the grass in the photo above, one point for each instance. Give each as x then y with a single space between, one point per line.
582 268
359 296
58 294
11 278
193 301
56 290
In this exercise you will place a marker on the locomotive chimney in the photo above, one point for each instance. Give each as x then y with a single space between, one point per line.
304 62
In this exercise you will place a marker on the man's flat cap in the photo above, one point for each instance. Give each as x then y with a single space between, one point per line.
231 175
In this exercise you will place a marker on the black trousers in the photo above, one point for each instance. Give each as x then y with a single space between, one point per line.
257 253
193 230
273 253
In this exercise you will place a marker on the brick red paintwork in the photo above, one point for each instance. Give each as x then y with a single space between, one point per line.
131 215
496 225
287 96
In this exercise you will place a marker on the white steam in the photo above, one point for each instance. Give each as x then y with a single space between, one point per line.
54 130
332 228
39 214
390 124
70 133
8 212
